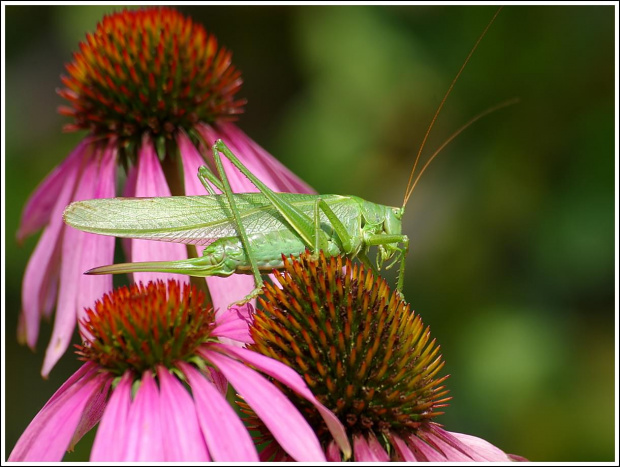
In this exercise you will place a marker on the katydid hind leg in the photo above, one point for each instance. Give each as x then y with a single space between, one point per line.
208 178
303 225
339 228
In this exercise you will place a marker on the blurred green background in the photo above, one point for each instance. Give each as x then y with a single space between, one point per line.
512 228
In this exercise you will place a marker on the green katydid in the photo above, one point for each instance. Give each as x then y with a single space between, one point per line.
247 233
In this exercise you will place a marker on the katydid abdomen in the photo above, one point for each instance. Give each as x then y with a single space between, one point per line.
226 256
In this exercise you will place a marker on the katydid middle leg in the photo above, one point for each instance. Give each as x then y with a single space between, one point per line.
303 225
299 221
225 185
341 232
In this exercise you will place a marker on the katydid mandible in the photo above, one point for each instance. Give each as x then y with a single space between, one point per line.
247 233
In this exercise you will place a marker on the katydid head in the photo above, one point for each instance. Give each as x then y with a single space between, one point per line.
392 223
392 226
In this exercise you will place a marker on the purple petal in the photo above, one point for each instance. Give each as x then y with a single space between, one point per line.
49 434
235 323
70 274
223 290
40 205
286 424
226 436
288 376
152 182
43 265
111 440
144 430
183 440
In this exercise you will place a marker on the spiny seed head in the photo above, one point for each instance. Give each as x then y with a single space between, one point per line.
142 326
149 70
359 347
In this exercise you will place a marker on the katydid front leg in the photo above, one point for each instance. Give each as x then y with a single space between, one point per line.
376 240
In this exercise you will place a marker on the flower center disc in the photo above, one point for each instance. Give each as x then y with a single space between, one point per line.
142 326
359 347
149 70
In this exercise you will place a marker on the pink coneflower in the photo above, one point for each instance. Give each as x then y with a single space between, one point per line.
153 381
366 356
153 91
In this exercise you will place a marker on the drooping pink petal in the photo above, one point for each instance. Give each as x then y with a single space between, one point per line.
228 290
70 274
183 440
152 182
271 450
286 424
423 451
454 449
227 438
451 453
377 450
223 290
235 324
82 372
98 250
402 449
40 205
239 183
129 191
49 434
332 453
92 412
144 429
51 284
111 440
218 380
43 265
262 164
361 450
288 376
484 451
